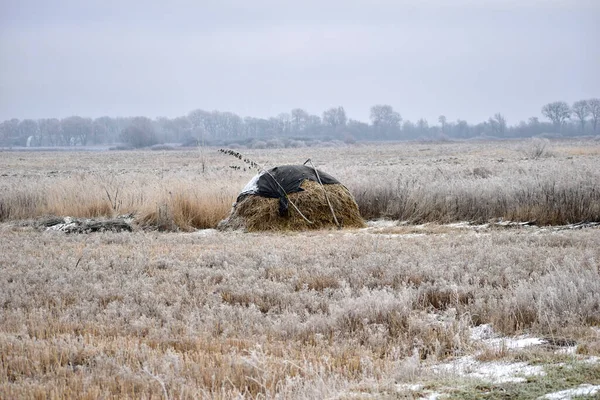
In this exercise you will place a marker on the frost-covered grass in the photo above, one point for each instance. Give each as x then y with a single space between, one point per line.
324 314
310 315
416 182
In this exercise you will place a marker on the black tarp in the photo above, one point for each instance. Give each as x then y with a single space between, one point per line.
289 177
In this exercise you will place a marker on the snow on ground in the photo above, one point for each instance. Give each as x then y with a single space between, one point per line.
381 223
493 371
462 225
205 232
581 390
482 332
467 225
485 333
514 343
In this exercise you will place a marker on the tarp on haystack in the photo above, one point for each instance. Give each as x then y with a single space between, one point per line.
264 203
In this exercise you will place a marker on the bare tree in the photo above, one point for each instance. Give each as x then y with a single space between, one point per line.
557 112
140 133
422 125
29 128
299 119
335 117
385 116
581 110
76 130
284 123
385 121
498 123
594 108
442 120
50 131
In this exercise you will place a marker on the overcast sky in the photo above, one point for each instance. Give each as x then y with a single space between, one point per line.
259 58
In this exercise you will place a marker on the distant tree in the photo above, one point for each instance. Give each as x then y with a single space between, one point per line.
299 119
314 125
462 128
76 129
29 128
385 116
99 132
335 117
258 127
498 124
581 110
180 128
442 120
9 132
111 128
140 133
409 129
50 131
358 129
385 121
557 112
594 108
204 123
423 126
284 123
228 124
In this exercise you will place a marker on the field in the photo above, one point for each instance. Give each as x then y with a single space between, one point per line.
471 280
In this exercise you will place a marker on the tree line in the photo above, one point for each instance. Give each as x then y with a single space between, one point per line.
217 128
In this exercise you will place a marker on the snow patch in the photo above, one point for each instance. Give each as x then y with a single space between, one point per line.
413 387
467 225
398 235
514 343
494 372
381 223
592 360
482 332
570 350
581 390
205 232
485 333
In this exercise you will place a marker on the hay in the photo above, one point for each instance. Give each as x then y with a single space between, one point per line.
256 213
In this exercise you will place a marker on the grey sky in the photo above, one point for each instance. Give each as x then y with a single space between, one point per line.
466 60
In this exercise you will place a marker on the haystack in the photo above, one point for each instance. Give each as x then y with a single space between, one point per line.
264 205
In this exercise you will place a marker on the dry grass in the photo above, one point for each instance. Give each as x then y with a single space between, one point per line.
306 315
160 198
410 182
186 210
413 182
255 213
548 195
315 314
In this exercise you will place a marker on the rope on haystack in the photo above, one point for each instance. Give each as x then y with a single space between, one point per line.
261 169
325 191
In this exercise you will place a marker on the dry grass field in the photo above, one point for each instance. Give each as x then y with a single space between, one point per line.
425 303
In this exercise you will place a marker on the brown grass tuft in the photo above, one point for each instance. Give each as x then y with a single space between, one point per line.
318 282
185 210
